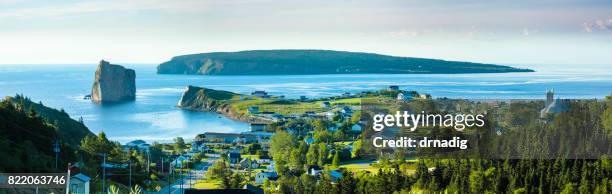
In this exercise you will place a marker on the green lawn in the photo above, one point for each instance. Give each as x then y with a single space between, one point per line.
357 167
208 184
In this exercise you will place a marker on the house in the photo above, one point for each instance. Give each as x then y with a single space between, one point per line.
424 96
79 184
356 128
139 145
346 111
214 137
325 104
264 161
262 176
394 88
257 127
234 157
198 147
404 96
303 98
330 115
179 161
271 167
314 170
335 175
253 109
247 163
310 114
309 140
346 94
260 93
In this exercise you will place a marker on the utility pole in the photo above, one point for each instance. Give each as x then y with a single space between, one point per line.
56 149
104 173
130 165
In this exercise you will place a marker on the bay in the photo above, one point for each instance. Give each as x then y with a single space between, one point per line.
155 117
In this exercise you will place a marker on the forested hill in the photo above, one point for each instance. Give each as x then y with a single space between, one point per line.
308 62
27 138
68 129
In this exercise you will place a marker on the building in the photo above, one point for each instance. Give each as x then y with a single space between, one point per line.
234 157
247 163
325 104
214 137
356 128
424 96
347 111
257 127
139 145
314 170
253 109
335 175
260 93
271 167
261 177
404 96
303 98
79 184
394 88
180 161
310 114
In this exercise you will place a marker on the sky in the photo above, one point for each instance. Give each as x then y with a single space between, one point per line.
137 31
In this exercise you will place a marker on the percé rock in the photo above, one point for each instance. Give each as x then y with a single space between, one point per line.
310 62
113 83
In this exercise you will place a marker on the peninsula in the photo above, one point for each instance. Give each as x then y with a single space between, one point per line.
312 62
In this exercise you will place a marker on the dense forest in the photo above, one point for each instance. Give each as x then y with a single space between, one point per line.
27 137
308 62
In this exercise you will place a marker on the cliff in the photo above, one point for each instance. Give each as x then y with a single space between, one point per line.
204 99
309 62
113 83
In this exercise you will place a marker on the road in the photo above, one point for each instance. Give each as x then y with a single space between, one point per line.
187 180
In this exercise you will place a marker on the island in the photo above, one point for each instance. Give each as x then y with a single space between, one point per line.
113 83
312 62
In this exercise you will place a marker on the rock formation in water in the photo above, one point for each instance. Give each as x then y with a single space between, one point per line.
113 83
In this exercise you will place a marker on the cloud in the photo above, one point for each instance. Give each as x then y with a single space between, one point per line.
597 25
528 32
84 7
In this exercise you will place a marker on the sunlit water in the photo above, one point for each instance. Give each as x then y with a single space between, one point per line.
154 116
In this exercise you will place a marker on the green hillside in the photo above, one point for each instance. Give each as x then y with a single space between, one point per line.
308 62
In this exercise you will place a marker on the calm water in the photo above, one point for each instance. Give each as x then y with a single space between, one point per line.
153 116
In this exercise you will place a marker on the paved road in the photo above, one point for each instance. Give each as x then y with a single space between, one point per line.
187 180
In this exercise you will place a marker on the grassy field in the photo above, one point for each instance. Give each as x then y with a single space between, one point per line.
286 107
208 184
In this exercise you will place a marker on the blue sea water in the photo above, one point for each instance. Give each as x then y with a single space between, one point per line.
154 116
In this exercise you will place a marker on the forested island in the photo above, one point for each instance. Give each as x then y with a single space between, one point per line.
312 62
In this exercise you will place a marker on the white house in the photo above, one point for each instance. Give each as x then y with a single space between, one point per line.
262 176
314 170
79 184
403 96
